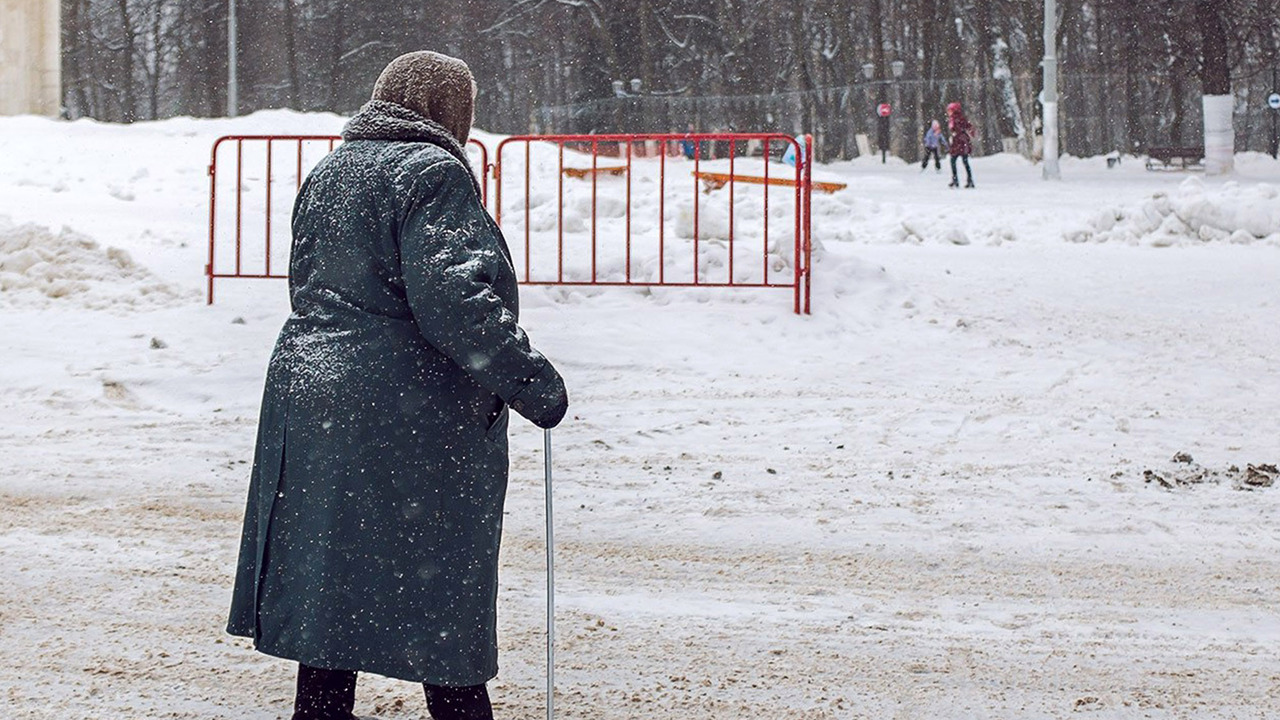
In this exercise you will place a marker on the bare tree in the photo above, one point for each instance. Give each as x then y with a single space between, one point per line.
1131 69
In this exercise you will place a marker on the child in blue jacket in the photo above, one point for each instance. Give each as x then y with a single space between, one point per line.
934 143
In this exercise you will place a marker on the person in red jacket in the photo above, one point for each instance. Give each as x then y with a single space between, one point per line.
961 143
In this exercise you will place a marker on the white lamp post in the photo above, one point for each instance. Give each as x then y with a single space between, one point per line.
1049 102
233 100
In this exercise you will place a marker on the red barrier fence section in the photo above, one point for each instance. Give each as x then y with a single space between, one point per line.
253 180
672 210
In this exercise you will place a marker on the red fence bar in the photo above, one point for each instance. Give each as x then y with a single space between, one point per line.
559 214
595 176
629 174
240 258
808 221
620 246
800 202
765 269
697 206
484 168
733 146
662 217
527 239
267 214
239 195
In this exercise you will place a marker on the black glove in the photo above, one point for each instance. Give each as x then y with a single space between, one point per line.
544 401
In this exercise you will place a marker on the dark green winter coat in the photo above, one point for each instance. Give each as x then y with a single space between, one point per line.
372 526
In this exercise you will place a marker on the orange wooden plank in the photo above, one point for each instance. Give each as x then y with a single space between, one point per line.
588 172
715 181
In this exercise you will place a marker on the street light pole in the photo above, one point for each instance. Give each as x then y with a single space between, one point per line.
233 100
1049 103
1275 114
882 120
895 69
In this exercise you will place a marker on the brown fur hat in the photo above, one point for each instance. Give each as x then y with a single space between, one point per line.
438 87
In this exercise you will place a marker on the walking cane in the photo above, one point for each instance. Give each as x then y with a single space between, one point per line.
551 583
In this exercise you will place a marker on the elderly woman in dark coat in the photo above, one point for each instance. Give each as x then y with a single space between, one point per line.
371 533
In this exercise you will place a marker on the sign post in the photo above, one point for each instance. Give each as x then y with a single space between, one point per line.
1273 102
1049 97
884 110
233 61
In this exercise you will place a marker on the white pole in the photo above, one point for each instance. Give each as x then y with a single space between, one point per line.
233 100
1049 103
551 582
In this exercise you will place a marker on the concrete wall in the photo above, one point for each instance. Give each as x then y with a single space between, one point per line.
30 57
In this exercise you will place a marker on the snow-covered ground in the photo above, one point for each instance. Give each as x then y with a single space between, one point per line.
949 493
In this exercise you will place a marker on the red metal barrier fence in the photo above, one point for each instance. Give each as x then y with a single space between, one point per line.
250 203
665 232
654 227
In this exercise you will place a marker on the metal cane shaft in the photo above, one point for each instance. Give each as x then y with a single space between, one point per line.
551 583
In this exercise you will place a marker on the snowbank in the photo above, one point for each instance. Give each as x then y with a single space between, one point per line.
39 267
1195 212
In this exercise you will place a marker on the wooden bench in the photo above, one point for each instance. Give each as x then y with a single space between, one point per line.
1163 158
582 173
715 181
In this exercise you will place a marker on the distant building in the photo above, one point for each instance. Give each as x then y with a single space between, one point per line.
30 57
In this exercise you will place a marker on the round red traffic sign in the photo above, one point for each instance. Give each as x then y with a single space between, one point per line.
885 109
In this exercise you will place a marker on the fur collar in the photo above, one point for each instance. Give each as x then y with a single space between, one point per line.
381 120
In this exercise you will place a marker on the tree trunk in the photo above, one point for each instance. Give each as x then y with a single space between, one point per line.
126 92
155 71
1178 101
801 39
1102 68
291 55
988 116
930 25
75 45
336 44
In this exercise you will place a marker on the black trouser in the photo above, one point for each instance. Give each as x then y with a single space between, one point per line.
331 695
937 158
955 179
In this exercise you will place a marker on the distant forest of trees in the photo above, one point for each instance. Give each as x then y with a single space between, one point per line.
1131 70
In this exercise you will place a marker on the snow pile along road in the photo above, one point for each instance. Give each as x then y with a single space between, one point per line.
1192 213
39 267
